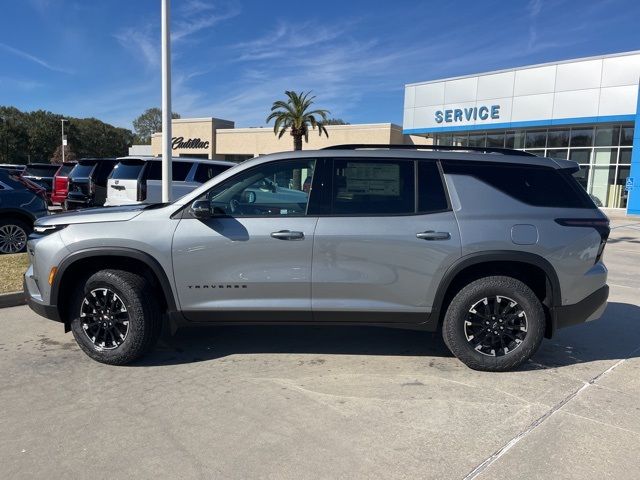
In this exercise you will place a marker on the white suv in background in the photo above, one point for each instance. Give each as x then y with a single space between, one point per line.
137 179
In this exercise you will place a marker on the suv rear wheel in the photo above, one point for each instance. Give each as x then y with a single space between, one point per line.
494 324
13 235
114 318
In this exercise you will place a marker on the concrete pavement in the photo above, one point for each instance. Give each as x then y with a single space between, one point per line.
327 402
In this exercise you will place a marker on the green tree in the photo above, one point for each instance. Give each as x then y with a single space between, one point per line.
336 121
149 123
295 115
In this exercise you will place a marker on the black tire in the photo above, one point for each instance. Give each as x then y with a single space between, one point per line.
13 235
468 324
129 291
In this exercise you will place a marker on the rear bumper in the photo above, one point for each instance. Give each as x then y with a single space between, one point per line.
590 308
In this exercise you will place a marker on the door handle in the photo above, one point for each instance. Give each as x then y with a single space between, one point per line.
431 235
288 235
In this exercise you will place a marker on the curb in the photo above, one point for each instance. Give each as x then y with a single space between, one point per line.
12 299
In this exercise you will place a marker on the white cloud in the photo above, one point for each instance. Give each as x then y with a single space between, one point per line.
21 53
141 43
196 15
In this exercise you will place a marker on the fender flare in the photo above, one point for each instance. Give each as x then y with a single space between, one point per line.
126 252
497 256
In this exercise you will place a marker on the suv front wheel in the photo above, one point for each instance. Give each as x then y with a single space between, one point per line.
114 318
494 324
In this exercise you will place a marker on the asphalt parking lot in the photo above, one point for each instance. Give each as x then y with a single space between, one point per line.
311 402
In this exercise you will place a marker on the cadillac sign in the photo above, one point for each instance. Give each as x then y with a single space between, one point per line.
190 143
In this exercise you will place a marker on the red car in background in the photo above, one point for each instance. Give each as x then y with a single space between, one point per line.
61 183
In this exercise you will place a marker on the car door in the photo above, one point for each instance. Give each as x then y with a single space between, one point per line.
386 242
251 259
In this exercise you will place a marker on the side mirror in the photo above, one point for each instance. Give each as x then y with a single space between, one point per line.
249 196
200 209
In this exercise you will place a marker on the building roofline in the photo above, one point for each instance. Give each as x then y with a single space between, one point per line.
526 67
392 126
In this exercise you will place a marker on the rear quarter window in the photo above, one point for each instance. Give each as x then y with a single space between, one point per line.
179 170
530 184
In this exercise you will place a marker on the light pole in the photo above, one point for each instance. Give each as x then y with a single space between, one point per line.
64 140
166 102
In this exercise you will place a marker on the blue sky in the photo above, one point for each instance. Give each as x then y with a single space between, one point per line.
232 58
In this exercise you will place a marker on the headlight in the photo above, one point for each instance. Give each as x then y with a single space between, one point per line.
47 229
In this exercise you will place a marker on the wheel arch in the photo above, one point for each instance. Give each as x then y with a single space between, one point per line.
124 258
22 215
532 269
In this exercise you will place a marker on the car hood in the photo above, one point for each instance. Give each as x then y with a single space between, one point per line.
92 215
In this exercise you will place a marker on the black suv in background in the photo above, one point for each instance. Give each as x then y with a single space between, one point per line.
42 174
21 203
88 183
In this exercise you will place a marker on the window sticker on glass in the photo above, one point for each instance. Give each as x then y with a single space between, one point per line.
372 179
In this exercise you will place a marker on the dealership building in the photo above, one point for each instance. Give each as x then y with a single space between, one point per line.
584 110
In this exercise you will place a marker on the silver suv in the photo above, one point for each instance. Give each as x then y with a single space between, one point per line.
497 249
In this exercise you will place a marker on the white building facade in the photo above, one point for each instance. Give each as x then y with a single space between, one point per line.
584 110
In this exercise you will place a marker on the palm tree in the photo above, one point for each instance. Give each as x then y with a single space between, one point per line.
294 115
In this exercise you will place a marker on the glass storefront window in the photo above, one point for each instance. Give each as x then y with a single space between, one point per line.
621 181
607 136
604 156
580 155
625 156
495 140
581 137
558 153
444 139
582 176
627 136
536 139
601 185
460 140
514 140
558 138
476 139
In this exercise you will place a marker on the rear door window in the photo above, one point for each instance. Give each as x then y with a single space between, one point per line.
373 187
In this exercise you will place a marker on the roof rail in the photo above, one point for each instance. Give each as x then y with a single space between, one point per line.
364 146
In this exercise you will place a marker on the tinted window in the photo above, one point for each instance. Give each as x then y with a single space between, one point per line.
41 170
431 195
103 169
373 187
82 170
180 170
127 170
538 186
64 170
206 171
271 190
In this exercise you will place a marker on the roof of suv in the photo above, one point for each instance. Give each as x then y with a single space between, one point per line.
384 152
206 161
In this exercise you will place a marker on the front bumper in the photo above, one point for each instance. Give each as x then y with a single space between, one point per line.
590 308
41 308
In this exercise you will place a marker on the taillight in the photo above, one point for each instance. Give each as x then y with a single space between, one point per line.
142 191
601 225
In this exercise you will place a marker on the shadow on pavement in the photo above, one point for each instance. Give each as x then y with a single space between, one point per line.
615 336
